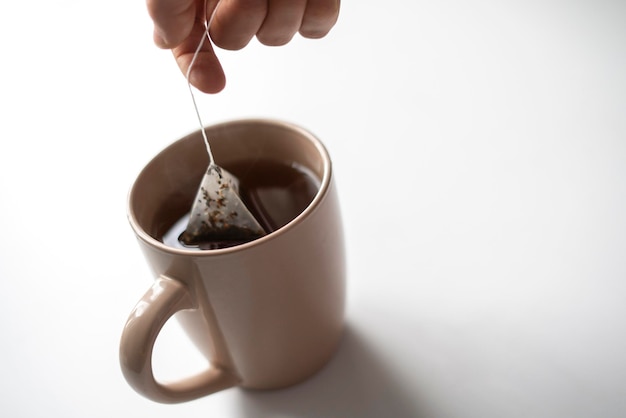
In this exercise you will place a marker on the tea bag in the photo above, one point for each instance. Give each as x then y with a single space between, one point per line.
218 215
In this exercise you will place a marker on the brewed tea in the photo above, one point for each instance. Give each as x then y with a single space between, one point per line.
274 192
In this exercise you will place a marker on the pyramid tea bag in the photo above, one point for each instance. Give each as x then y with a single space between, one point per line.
218 216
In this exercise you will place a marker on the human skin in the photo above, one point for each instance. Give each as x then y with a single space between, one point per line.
179 25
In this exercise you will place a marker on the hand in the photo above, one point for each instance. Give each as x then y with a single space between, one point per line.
179 26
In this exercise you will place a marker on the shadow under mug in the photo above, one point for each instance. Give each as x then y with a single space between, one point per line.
266 314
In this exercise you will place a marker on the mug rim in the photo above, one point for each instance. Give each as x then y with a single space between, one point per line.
324 185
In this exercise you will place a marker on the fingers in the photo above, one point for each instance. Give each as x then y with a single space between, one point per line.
173 20
179 25
273 22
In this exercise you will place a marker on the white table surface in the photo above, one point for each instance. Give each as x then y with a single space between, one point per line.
492 285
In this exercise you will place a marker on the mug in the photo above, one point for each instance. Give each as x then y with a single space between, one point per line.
267 313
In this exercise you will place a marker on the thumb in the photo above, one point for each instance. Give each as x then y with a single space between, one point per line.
206 74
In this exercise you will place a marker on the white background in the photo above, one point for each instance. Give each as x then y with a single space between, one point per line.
491 284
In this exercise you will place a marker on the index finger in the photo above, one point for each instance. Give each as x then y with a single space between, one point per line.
173 20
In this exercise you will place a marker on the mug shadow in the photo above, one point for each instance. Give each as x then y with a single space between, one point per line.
355 383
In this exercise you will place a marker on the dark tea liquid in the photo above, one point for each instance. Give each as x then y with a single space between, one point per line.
274 192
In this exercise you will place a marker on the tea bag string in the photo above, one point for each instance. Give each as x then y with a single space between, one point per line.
205 36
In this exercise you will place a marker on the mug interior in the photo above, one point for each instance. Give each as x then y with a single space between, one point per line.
165 189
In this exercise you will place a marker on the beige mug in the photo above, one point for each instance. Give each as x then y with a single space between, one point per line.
266 314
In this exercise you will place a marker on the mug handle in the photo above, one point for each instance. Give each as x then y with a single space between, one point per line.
166 297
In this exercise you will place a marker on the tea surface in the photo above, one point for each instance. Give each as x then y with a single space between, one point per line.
274 192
